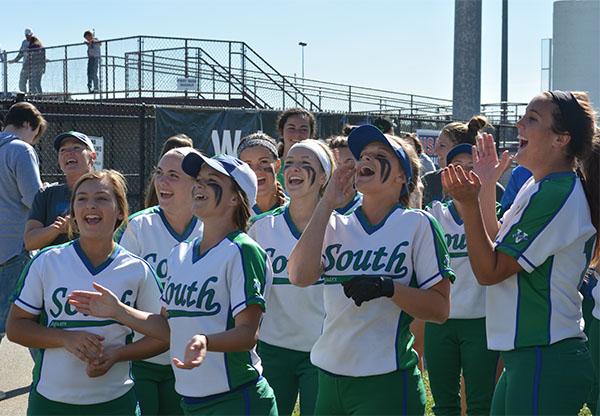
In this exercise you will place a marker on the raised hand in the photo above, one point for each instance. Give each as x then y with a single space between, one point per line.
195 351
461 187
84 345
101 304
61 224
485 160
340 186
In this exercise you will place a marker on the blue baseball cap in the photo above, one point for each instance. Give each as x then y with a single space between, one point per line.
363 135
230 166
457 150
76 135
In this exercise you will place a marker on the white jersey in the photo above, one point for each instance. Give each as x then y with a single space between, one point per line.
548 231
467 296
149 235
203 296
408 246
43 288
295 315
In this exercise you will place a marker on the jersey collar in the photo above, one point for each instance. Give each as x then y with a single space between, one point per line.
366 225
186 233
88 264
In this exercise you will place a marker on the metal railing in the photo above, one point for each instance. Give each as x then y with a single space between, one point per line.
153 66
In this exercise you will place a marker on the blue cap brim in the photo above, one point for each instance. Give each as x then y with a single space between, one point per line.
193 161
457 150
76 135
361 136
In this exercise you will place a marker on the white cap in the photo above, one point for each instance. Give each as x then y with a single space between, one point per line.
28 32
230 166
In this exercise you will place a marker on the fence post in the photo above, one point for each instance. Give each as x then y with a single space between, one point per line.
153 74
243 70
142 151
198 72
66 75
106 72
114 77
350 98
140 67
320 96
5 69
185 63
229 71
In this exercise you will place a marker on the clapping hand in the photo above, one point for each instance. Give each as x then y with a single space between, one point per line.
101 304
462 187
341 186
195 351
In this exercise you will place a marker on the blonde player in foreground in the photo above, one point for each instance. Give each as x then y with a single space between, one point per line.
214 299
381 265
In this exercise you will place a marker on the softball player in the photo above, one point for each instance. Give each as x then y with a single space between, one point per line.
151 234
538 255
459 343
293 322
259 151
293 126
342 154
213 300
381 250
66 376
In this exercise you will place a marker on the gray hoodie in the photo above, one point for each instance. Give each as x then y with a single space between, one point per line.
19 182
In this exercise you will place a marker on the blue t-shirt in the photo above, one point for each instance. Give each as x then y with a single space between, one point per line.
518 177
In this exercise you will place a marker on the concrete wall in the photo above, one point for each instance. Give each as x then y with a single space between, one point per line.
576 47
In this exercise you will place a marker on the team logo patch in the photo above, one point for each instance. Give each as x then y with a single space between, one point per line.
519 236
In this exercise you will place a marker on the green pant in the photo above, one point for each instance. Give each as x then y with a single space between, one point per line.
398 393
252 399
546 380
39 405
289 373
460 344
155 389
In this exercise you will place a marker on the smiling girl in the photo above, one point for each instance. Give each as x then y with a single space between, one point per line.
534 259
214 299
293 126
259 151
382 264
295 316
71 342
151 234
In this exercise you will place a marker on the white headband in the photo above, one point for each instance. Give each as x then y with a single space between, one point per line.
319 152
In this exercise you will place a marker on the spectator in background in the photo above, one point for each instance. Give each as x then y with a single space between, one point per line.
173 142
94 53
24 53
37 60
48 219
385 125
427 164
19 183
452 135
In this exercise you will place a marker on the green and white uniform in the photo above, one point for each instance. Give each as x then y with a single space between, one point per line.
203 296
460 342
594 337
49 277
535 316
363 346
293 321
149 235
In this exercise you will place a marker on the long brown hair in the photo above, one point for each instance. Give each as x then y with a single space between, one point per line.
119 187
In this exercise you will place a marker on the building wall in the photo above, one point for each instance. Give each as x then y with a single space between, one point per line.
576 47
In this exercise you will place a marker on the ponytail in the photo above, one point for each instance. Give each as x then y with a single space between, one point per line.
590 171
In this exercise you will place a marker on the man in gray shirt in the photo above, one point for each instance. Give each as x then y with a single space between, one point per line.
19 183
26 69
94 54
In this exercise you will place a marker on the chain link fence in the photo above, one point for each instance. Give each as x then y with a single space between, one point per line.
127 132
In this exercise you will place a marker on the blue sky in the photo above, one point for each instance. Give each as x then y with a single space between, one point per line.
400 45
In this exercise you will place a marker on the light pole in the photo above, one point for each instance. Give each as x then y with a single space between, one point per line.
302 44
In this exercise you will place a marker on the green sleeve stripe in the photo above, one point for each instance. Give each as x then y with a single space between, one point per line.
441 249
543 206
23 276
254 264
